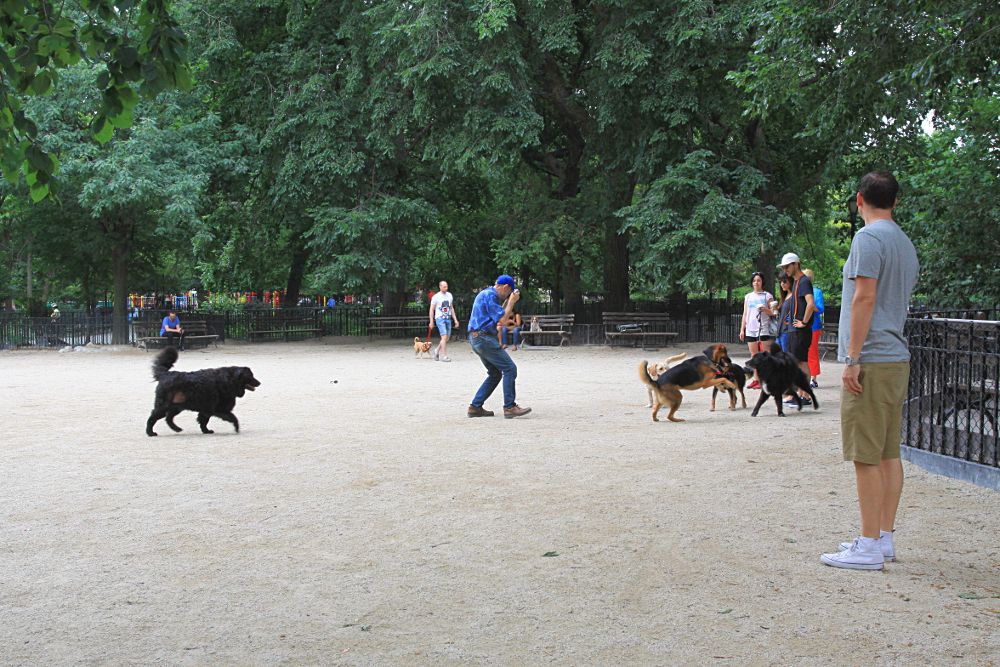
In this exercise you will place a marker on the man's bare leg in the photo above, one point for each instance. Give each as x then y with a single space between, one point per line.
870 497
892 489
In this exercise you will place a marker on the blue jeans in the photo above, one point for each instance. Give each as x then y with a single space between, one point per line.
499 366
511 332
443 325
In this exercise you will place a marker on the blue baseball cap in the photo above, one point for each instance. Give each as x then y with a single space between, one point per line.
506 280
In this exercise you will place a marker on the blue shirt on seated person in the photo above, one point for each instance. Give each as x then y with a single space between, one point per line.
171 321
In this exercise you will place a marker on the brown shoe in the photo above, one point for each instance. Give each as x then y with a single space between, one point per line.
515 411
479 412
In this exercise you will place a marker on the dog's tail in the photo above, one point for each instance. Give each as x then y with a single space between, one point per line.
164 362
644 374
677 357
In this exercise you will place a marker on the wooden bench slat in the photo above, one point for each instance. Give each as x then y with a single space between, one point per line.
563 322
654 325
285 328
387 324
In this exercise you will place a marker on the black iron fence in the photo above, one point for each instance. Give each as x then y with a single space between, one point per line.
952 405
692 321
69 329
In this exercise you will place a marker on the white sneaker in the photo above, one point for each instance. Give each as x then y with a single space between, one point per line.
856 556
445 358
434 354
884 543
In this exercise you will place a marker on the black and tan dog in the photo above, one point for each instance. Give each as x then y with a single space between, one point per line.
735 374
211 392
696 373
719 354
779 374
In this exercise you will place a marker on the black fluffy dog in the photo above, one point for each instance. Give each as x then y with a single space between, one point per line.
779 374
211 392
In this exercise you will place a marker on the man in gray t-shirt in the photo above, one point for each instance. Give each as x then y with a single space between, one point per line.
881 250
879 277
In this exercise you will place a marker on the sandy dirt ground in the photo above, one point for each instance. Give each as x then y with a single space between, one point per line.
359 518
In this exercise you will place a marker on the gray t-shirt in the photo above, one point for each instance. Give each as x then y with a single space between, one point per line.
881 250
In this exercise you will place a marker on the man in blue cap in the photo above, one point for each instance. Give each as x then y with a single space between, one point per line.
487 313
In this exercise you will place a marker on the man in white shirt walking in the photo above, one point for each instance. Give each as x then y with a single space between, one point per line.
442 313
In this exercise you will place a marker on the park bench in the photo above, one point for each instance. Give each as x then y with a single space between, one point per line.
828 340
637 328
553 327
285 329
195 335
397 325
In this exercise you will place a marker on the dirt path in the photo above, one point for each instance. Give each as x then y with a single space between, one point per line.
360 518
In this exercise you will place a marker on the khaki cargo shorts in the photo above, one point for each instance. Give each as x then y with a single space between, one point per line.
870 422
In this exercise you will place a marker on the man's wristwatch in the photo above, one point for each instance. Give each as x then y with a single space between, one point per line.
851 361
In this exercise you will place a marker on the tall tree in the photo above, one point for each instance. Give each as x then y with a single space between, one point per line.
137 41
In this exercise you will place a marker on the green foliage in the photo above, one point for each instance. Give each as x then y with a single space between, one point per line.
593 147
138 43
699 226
951 207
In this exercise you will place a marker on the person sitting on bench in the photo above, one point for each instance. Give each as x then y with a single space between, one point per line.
172 329
510 328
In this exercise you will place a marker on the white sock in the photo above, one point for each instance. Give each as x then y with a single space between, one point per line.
868 543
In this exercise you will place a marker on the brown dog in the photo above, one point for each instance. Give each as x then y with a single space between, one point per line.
421 347
695 373
717 353
658 368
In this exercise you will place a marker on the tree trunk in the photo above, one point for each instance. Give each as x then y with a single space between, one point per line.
29 282
616 252
393 297
46 290
297 271
766 264
119 292
87 289
572 296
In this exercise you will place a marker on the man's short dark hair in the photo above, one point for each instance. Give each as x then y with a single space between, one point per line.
879 188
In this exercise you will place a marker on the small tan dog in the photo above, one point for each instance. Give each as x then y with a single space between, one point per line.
656 369
536 324
421 347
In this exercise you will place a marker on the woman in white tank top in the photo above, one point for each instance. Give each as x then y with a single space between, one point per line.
755 327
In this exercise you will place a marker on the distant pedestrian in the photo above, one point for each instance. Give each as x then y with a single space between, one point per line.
783 312
803 307
817 330
487 313
755 327
879 277
442 314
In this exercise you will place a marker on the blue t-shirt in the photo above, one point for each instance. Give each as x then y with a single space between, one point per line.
167 322
820 308
486 311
